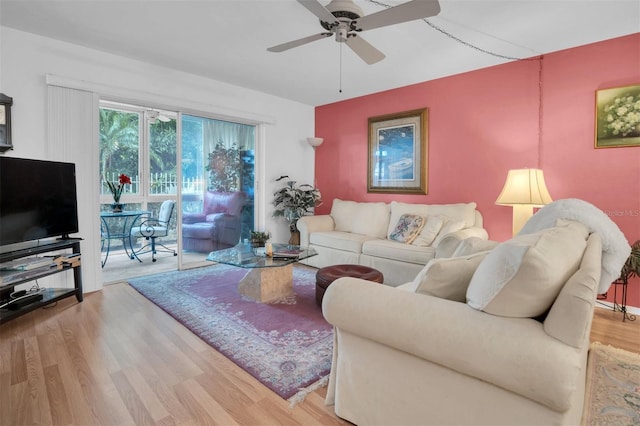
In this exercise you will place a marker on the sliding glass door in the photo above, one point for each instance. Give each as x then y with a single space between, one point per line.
218 170
217 178
141 144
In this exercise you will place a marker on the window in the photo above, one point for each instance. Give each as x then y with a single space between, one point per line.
140 143
218 156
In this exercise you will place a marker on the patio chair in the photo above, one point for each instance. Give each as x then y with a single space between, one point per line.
152 228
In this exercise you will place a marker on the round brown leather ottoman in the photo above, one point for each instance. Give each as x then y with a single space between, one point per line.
327 275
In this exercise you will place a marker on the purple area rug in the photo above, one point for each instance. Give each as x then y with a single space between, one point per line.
286 345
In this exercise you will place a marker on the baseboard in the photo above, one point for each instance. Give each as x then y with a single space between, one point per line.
608 305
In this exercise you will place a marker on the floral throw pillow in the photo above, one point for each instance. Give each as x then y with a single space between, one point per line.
407 228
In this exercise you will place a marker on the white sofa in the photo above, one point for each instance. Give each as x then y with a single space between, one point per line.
359 233
514 354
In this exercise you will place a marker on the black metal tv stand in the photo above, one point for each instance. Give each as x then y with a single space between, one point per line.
10 279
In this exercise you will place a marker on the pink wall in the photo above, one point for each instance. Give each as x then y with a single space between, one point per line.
485 122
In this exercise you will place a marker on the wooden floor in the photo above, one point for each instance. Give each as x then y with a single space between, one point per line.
117 359
120 267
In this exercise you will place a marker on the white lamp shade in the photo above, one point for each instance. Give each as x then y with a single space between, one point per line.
315 142
524 187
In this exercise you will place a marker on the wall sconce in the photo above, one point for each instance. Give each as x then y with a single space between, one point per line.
524 189
315 142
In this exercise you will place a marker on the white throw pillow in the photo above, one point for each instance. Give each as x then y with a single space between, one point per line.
450 225
522 276
448 278
429 231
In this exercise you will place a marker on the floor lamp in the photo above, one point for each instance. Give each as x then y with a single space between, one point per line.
524 189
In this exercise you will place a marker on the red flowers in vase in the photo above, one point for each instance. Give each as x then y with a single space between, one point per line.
116 189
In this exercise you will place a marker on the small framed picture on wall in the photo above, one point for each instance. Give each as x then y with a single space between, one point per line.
618 117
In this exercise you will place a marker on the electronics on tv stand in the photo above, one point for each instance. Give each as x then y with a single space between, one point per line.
20 299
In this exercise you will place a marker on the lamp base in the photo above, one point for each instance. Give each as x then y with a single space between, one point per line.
521 214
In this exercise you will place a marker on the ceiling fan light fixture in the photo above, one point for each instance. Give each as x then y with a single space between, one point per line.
342 34
345 9
154 116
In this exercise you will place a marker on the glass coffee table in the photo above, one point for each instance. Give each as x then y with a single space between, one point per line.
270 277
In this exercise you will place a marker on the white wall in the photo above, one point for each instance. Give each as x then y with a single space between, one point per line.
26 60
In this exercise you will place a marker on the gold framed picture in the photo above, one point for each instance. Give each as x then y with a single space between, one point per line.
398 153
618 117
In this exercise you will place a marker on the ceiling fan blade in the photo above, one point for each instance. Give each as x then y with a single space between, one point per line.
315 7
295 43
409 11
362 48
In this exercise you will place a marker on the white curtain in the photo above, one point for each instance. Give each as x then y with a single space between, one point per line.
242 135
73 122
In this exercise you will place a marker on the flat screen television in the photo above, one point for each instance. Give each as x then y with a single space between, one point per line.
37 200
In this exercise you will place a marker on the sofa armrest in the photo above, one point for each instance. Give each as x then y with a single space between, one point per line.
448 244
193 217
512 353
225 229
310 224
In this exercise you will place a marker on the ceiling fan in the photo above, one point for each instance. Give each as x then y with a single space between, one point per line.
154 116
346 19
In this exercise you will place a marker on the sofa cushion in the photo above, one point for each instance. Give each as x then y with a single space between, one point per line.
371 219
398 251
342 213
522 276
193 217
429 231
473 245
450 225
346 241
448 278
461 211
200 230
214 216
224 202
407 228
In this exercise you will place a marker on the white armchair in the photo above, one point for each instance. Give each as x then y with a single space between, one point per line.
152 228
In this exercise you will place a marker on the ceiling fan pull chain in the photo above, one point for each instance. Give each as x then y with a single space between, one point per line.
340 90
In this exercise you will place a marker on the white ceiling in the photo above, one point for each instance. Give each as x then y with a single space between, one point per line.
226 40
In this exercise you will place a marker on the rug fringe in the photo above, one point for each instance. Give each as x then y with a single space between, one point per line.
303 392
613 350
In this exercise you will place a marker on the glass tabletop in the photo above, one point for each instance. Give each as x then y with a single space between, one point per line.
245 256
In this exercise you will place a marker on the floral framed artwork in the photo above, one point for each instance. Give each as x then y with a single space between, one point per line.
398 153
618 117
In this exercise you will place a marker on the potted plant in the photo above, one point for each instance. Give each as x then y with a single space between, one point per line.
294 201
259 238
224 168
631 267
